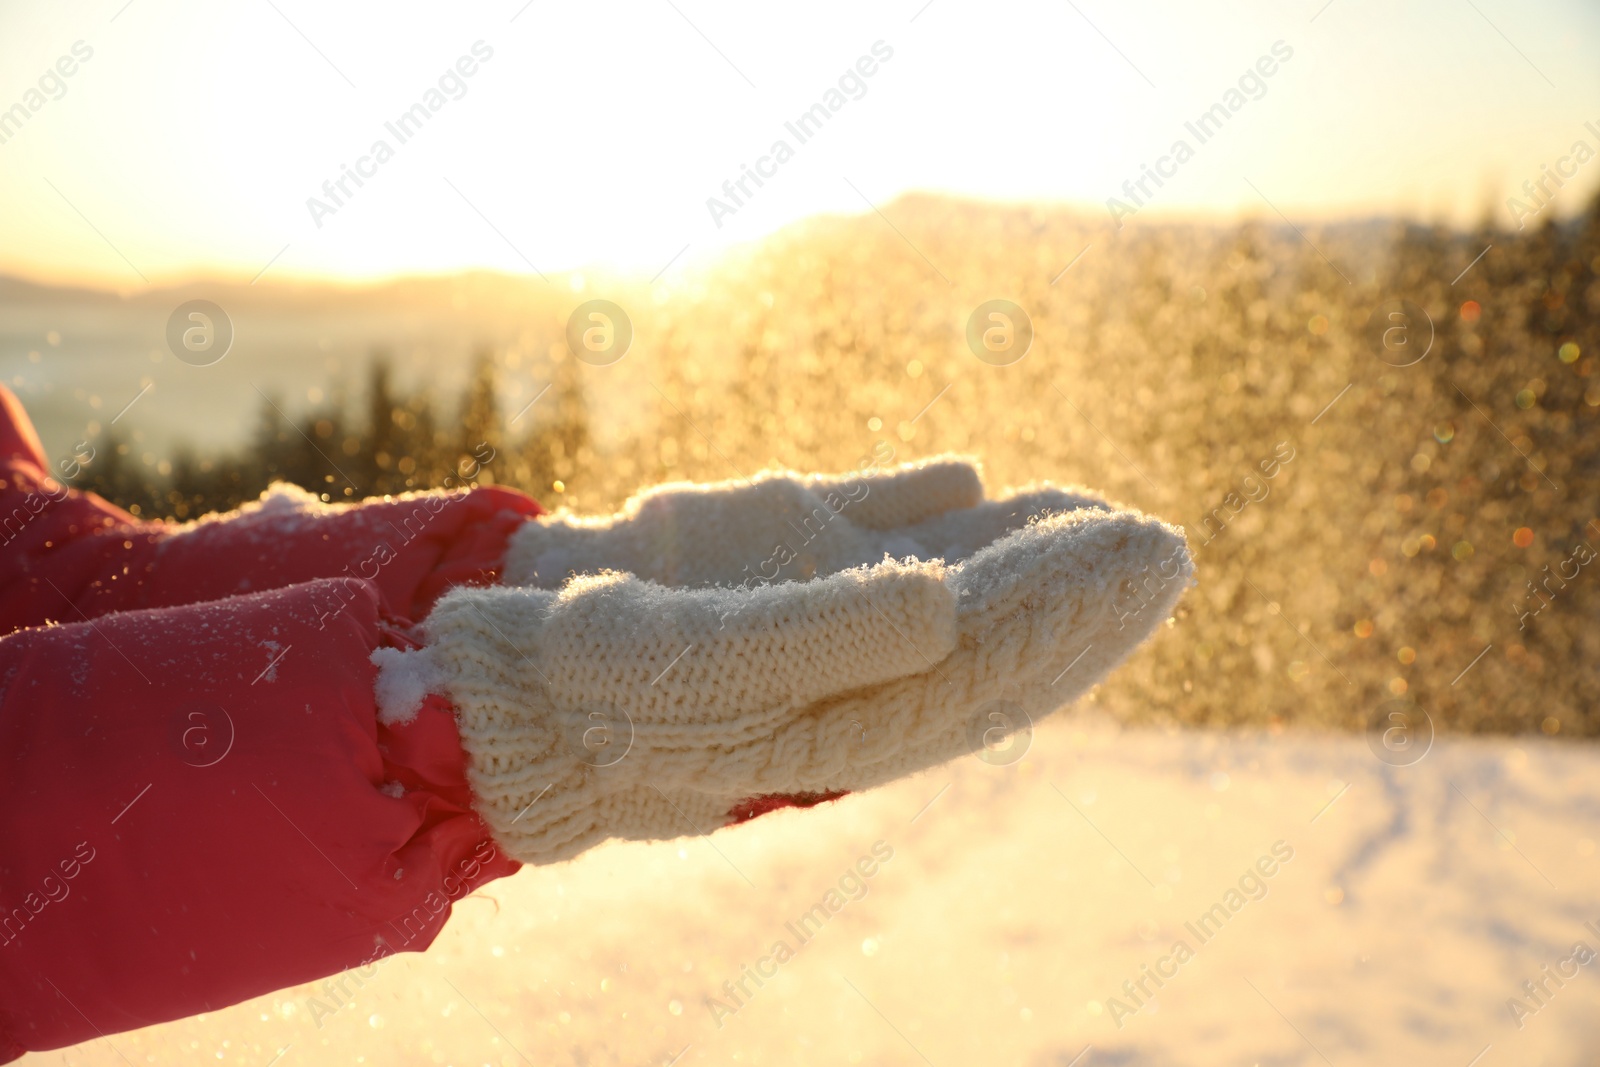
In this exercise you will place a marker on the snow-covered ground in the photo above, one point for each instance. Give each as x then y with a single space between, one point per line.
1013 904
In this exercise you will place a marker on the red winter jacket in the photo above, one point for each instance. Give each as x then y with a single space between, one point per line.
197 802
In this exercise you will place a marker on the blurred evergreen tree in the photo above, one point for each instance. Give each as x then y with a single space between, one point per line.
479 420
377 460
556 446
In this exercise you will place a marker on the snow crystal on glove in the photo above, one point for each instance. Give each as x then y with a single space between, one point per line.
404 681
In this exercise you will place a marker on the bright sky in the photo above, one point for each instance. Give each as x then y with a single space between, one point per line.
190 141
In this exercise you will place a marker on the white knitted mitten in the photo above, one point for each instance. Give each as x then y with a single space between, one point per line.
782 525
620 707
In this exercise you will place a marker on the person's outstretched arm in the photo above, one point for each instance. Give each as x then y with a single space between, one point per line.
205 799
197 802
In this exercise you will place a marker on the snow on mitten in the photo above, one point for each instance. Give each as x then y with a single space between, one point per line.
617 707
780 526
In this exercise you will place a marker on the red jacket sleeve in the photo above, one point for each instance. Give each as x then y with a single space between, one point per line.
198 805
197 802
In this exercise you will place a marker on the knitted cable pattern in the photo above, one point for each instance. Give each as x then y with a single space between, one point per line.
615 688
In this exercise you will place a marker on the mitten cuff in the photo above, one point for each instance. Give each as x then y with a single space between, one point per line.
528 784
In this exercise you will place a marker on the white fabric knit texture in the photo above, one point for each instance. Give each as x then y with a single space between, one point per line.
617 687
619 706
781 525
